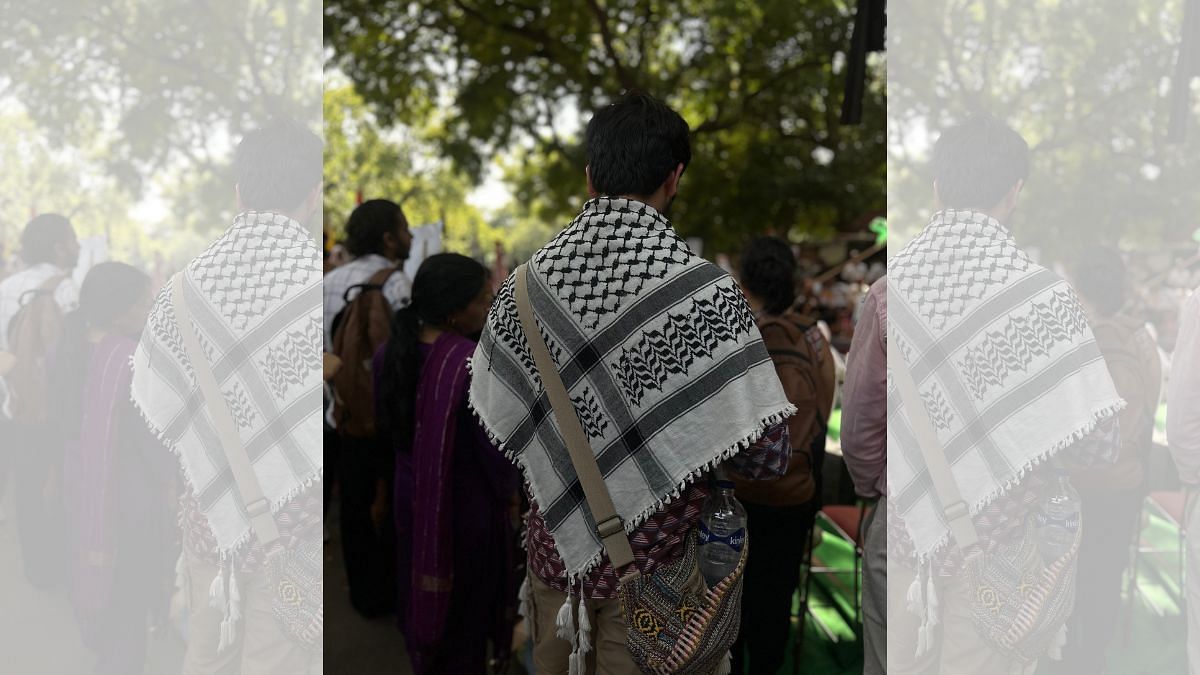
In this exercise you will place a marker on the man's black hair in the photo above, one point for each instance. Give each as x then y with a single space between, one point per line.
634 144
768 270
977 162
42 235
369 222
278 166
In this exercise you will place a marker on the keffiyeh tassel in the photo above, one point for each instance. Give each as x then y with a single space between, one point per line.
579 634
923 601
225 594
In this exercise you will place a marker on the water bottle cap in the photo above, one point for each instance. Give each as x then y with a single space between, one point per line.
725 484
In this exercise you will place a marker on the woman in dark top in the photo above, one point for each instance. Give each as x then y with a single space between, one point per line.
453 489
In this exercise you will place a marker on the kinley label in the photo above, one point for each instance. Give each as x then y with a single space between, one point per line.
734 540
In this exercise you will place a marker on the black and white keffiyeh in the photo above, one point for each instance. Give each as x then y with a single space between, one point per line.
255 300
1003 357
659 352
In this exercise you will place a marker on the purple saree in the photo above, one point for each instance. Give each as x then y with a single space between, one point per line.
89 469
119 529
455 539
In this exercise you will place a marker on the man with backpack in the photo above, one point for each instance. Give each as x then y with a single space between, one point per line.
360 298
781 512
32 304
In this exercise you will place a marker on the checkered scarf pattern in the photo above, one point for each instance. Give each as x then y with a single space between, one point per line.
659 353
255 300
1003 358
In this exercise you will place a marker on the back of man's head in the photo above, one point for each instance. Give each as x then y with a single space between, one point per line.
634 144
977 163
44 238
278 166
368 225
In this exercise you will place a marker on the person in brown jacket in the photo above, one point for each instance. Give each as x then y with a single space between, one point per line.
1111 494
780 513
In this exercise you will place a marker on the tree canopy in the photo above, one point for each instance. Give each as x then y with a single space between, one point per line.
164 88
759 83
1083 82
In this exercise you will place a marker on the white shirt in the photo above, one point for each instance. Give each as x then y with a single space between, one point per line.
397 289
11 290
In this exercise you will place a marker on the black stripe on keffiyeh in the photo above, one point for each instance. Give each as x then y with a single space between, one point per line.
682 402
234 359
687 336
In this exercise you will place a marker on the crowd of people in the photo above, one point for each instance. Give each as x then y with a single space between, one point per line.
139 490
455 452
443 471
546 446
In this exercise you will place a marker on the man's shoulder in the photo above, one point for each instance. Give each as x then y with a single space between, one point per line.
877 294
356 271
398 288
25 278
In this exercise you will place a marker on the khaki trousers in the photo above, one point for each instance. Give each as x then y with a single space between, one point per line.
608 655
261 647
958 647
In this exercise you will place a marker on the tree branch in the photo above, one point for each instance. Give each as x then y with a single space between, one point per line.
719 124
627 80
538 37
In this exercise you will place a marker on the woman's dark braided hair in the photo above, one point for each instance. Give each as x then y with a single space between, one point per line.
445 284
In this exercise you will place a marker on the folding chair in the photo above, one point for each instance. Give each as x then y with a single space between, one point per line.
845 521
1168 505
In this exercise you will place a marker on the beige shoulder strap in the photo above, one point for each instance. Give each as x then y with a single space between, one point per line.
608 524
958 516
258 509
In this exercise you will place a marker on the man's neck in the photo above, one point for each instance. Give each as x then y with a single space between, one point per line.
653 201
305 222
999 217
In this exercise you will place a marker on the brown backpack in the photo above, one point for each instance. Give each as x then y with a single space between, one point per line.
32 330
359 329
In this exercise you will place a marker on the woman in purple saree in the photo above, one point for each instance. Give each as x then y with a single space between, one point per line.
454 491
116 475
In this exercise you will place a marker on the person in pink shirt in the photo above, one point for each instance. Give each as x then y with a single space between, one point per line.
864 446
1183 438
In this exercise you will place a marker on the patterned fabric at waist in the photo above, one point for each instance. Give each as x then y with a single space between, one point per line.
1000 522
657 542
300 518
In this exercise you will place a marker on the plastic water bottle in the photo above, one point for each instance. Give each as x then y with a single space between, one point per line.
1056 521
721 534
